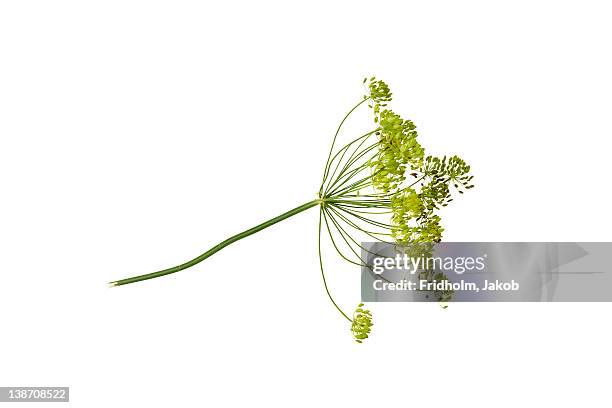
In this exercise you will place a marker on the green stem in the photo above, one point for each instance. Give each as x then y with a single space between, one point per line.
218 247
323 273
331 150
346 149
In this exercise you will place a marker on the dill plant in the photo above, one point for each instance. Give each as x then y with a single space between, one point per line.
378 187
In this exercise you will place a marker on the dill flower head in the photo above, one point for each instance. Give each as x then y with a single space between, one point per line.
381 186
362 323
379 91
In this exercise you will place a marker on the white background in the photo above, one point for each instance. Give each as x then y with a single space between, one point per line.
134 135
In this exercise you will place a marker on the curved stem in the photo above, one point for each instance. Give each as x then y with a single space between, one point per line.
327 165
218 247
348 178
341 190
343 232
323 273
351 224
355 156
343 151
360 263
375 223
365 137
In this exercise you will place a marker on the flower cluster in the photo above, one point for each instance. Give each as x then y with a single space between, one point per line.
406 206
379 91
457 171
362 323
397 150
413 213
